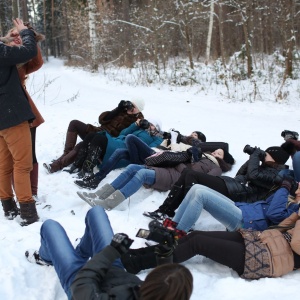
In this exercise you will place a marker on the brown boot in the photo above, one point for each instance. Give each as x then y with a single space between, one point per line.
10 208
61 162
70 143
28 213
34 176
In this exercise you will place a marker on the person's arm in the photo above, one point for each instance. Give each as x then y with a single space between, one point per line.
156 141
130 129
35 63
10 56
278 210
87 282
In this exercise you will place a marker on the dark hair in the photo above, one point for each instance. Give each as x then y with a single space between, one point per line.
167 282
225 167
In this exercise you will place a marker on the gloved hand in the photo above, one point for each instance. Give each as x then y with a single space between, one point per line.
195 153
122 105
262 155
144 124
290 184
121 242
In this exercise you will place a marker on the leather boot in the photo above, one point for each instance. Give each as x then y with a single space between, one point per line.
10 208
78 162
61 162
34 176
92 159
28 213
70 143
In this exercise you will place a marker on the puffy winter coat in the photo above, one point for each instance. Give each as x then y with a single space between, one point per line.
262 214
253 181
14 106
166 177
268 253
114 143
28 68
98 279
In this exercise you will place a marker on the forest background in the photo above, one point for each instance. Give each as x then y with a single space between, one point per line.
174 42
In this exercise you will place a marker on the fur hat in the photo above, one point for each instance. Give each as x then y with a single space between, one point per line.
278 154
201 136
228 157
139 103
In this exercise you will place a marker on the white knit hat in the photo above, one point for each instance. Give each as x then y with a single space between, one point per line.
155 121
139 103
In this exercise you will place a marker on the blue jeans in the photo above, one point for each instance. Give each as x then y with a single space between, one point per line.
219 206
132 178
57 250
296 168
138 150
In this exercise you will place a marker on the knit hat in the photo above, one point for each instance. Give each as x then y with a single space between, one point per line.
228 157
278 154
201 136
139 103
156 122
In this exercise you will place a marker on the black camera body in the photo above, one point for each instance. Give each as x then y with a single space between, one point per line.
248 149
288 134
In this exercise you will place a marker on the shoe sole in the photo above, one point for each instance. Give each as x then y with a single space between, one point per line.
85 187
146 214
46 168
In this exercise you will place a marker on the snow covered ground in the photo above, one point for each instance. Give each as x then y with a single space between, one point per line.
63 94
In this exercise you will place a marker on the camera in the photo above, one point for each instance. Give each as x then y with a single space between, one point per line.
248 149
128 105
144 124
288 134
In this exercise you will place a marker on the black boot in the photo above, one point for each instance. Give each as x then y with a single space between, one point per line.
28 213
10 208
79 160
90 182
139 259
92 159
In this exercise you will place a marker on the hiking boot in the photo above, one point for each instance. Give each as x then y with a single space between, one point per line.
33 256
90 183
10 208
111 201
28 213
156 215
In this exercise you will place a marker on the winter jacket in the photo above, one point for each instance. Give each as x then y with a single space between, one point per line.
98 279
253 181
25 69
14 106
262 214
166 177
114 121
114 143
268 253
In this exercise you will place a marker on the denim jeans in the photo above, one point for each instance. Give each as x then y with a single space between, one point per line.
132 178
219 206
57 249
138 150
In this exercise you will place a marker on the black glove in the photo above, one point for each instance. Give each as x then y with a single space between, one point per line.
121 242
166 135
195 153
290 184
122 105
144 124
289 147
262 155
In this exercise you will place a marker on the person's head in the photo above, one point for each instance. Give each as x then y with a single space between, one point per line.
297 193
198 135
167 282
138 104
155 125
224 159
276 154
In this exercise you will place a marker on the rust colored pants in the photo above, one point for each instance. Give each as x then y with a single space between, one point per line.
16 161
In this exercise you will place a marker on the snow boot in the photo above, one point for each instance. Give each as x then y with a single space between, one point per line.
10 208
28 213
111 201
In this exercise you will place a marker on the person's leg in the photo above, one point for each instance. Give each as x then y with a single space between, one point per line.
143 176
226 248
79 128
98 234
57 250
296 166
34 174
126 176
138 150
220 207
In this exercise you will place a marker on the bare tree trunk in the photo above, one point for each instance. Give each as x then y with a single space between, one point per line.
24 10
15 9
221 29
92 31
210 29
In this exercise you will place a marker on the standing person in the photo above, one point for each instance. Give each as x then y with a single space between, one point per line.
15 138
113 122
24 70
103 276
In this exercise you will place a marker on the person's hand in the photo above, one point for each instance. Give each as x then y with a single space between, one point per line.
121 242
19 24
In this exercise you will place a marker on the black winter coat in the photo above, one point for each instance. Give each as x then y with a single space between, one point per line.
253 181
14 105
98 279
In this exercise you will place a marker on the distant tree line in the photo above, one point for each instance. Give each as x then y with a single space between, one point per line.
93 33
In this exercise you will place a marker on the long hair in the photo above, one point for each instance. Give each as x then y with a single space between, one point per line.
167 282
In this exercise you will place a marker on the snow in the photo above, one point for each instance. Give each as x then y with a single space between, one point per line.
63 94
